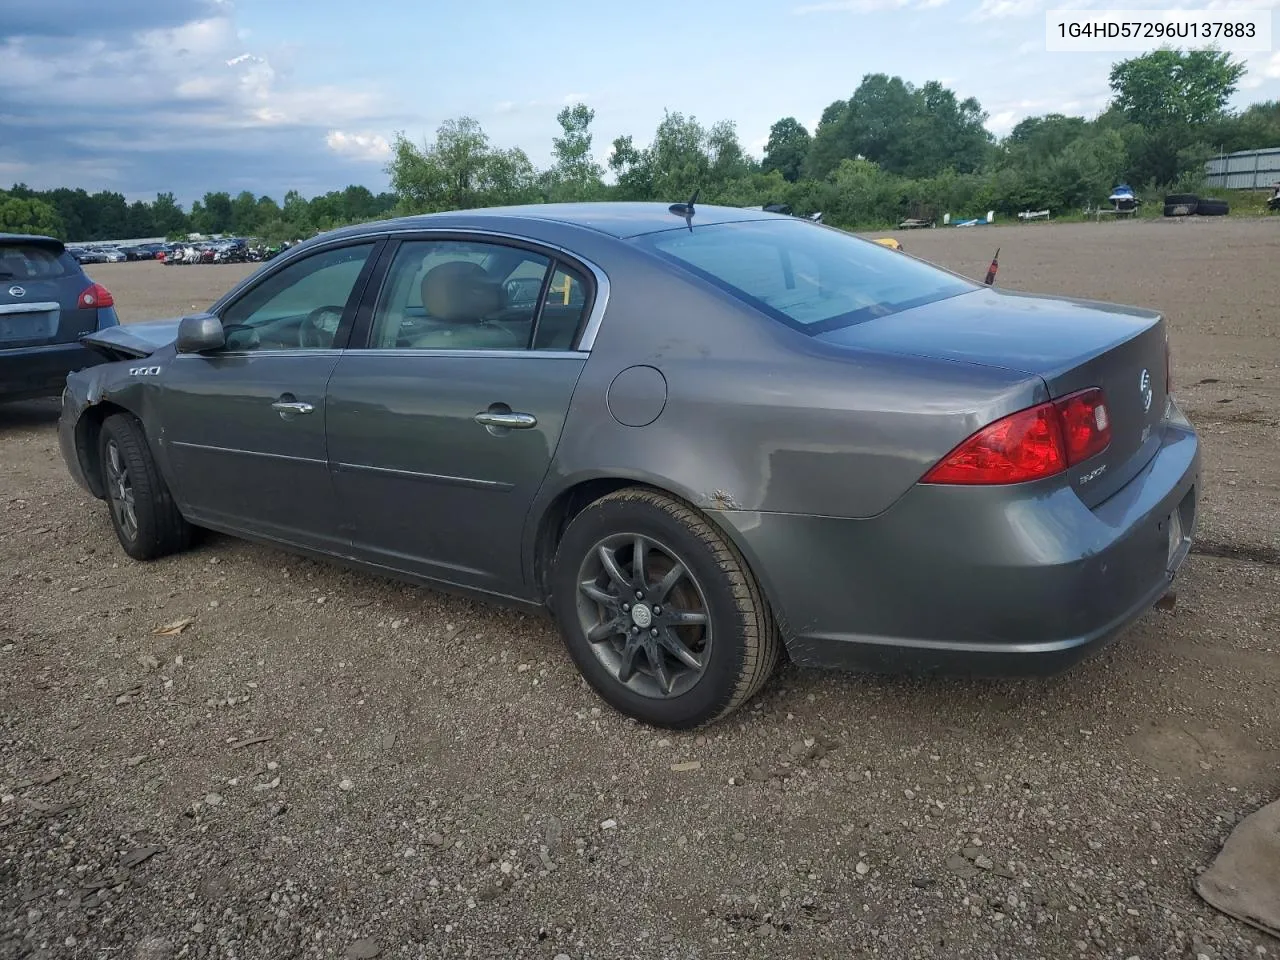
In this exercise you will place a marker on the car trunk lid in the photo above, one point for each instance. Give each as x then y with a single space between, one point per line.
1070 344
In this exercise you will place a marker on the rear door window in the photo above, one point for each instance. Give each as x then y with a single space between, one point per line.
27 261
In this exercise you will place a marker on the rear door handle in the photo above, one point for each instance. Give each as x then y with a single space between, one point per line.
291 406
508 421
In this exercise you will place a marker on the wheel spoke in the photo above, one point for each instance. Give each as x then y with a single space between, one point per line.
599 595
609 560
606 629
659 665
627 666
685 618
679 650
639 547
667 583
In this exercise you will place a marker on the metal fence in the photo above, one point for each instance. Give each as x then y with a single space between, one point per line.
1244 170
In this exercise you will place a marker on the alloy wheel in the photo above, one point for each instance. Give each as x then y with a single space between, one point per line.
645 615
120 491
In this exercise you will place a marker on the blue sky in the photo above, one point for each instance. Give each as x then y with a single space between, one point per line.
268 95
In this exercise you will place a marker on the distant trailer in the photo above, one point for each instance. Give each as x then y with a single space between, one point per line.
914 223
1034 215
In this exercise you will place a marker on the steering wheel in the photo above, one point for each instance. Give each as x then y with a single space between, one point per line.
319 327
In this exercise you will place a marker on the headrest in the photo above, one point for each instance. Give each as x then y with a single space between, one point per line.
460 291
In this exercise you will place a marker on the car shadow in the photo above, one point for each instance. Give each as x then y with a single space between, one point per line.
24 414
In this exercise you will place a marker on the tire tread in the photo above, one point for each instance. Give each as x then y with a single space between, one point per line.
165 530
760 632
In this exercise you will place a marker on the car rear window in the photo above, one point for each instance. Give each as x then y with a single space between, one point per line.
26 261
810 277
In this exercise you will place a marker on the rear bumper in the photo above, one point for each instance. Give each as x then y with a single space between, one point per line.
28 372
977 581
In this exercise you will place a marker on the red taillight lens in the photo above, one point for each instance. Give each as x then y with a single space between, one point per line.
96 295
1022 446
1031 444
1086 424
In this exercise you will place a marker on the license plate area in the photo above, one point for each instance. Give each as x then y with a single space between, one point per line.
28 322
1179 526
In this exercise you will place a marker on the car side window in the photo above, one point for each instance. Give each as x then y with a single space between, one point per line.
562 310
298 307
459 295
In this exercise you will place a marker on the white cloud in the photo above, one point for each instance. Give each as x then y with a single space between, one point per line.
865 6
1006 9
359 146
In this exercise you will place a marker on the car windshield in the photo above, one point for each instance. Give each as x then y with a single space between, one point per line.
810 277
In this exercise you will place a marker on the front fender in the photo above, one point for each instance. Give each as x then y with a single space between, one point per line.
90 396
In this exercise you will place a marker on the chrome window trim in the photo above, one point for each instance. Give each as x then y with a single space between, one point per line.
589 330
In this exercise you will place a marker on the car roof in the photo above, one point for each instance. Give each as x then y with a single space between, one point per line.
33 239
615 218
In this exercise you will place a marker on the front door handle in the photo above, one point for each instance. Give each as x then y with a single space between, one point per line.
287 407
508 421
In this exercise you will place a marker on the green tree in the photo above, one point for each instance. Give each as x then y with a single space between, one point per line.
458 170
575 175
168 215
218 216
244 213
633 168
1174 88
22 215
788 146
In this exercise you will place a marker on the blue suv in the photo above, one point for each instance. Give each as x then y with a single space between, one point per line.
47 304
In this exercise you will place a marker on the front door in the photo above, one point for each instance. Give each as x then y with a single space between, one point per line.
244 427
443 425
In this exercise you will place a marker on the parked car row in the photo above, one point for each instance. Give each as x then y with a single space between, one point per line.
226 250
230 250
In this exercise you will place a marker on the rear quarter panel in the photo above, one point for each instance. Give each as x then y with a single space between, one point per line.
759 417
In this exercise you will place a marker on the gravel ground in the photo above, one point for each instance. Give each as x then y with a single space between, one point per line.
312 762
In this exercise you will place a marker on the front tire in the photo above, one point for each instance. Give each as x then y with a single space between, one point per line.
146 520
660 612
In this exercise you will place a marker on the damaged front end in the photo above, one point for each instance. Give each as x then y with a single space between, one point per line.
132 341
95 392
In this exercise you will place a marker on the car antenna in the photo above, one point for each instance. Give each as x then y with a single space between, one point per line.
991 270
685 210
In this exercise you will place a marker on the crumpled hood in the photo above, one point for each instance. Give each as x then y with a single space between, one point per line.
133 340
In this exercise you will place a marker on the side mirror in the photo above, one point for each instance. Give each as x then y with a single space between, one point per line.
199 333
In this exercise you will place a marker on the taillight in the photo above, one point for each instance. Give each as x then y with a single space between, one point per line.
1086 425
1031 444
95 295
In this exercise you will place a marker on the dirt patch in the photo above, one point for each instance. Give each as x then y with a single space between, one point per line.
329 764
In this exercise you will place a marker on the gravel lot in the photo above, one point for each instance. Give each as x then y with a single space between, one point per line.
328 764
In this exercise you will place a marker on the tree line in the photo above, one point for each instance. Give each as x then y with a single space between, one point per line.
75 214
889 151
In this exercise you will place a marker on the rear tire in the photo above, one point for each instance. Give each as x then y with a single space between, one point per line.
1180 204
146 520
1212 208
702 657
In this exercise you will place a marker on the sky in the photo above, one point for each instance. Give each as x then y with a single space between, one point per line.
272 95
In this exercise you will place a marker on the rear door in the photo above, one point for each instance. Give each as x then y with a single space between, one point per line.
40 289
443 423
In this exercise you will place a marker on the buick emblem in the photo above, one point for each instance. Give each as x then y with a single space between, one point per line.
1144 387
17 292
